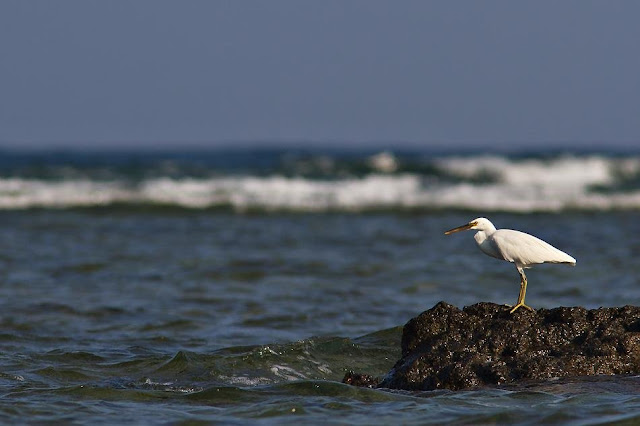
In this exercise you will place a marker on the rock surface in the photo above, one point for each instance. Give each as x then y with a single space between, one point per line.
485 345
360 380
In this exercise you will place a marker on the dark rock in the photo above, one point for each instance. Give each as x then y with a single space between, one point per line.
360 380
484 345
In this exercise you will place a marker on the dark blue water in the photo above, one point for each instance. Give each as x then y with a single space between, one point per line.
136 312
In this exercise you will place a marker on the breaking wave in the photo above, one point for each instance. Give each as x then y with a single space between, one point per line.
484 183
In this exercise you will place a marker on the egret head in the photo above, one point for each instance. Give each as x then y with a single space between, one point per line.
480 224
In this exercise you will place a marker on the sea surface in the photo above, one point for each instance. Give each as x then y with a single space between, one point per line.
236 287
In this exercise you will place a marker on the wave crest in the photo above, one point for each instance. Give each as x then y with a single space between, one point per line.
492 183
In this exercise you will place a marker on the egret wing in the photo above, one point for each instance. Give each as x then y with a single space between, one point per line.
524 249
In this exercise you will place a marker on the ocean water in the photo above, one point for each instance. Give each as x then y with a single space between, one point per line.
240 287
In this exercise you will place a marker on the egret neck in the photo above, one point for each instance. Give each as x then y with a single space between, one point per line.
482 239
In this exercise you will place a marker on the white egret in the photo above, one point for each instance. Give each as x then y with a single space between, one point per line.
517 247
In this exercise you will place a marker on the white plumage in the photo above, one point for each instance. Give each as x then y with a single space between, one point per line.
517 247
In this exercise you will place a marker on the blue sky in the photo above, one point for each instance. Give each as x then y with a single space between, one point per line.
419 73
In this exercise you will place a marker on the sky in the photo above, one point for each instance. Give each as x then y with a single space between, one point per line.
226 73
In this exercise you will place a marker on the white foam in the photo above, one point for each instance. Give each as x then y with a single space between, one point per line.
287 373
383 162
245 380
566 170
540 185
16 193
484 183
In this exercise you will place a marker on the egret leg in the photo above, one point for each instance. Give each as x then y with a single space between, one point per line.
523 292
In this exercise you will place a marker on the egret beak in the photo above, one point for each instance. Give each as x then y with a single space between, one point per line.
460 228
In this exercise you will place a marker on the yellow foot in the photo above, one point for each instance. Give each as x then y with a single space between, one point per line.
521 305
